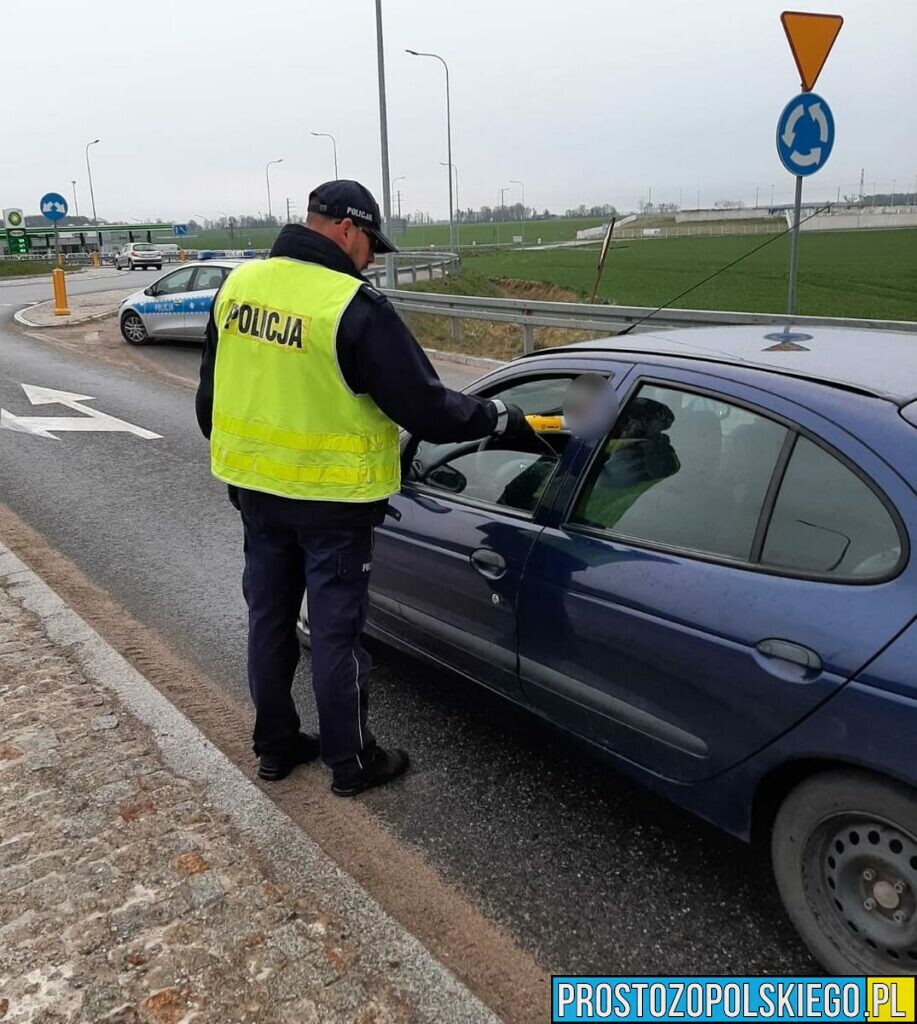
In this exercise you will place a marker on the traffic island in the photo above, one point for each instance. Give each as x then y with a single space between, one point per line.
83 308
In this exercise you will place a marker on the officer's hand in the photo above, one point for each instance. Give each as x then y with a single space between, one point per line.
517 429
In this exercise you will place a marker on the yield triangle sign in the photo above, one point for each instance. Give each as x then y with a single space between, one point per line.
811 37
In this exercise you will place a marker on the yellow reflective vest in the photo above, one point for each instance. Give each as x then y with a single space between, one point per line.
284 420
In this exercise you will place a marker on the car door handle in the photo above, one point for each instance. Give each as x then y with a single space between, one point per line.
799 662
488 563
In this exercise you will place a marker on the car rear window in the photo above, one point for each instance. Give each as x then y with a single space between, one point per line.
828 521
144 247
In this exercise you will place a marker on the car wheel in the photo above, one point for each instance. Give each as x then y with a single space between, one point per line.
844 850
133 330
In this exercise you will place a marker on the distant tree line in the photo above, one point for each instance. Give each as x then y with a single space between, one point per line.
512 212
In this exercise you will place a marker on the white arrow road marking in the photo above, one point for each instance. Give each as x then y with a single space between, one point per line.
818 115
806 159
42 426
789 131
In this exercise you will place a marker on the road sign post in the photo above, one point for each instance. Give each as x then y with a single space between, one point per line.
54 208
805 129
794 248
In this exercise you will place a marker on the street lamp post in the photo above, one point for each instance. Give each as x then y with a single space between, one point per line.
391 279
95 219
515 181
76 205
334 149
267 178
458 205
436 56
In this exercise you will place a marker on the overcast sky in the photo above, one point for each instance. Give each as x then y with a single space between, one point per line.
586 101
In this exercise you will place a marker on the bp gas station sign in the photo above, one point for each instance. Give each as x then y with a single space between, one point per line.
17 241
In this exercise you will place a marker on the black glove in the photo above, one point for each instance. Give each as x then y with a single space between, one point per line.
518 428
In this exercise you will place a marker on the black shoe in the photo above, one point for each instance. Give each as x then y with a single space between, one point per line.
384 766
273 767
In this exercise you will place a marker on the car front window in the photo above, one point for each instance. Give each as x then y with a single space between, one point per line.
492 471
179 281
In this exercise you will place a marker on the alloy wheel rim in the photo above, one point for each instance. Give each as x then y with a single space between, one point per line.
133 328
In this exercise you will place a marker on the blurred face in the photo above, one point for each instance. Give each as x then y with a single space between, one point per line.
346 235
357 243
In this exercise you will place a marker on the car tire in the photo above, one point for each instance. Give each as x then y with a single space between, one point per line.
844 853
133 329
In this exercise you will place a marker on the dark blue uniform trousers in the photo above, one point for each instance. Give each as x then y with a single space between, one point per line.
283 559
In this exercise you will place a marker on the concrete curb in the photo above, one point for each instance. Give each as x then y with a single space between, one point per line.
386 949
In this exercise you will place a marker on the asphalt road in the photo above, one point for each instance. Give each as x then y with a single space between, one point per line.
585 869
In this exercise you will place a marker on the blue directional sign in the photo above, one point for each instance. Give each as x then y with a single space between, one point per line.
179 230
805 134
53 206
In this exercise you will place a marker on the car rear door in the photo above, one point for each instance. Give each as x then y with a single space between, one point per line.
204 285
725 565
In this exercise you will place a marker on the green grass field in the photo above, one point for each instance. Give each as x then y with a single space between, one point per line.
28 268
561 230
261 238
855 274
419 237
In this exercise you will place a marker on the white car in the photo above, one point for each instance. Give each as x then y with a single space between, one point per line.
177 305
138 254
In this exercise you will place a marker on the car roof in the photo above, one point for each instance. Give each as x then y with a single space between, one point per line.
232 264
877 362
229 264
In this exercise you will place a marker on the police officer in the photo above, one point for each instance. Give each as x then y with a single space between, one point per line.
306 375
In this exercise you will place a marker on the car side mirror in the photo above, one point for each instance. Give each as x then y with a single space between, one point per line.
447 478
591 406
149 291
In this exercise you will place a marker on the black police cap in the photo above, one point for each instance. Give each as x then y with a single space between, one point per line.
343 199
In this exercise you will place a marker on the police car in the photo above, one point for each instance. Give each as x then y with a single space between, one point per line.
177 305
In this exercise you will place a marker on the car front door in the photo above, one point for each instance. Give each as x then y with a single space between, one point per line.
164 311
720 572
206 281
447 570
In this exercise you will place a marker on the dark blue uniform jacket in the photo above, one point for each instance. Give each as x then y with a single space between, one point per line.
378 356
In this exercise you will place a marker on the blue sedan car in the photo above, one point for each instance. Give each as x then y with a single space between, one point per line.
718 595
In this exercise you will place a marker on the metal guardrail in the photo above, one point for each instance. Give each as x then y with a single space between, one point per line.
581 316
423 265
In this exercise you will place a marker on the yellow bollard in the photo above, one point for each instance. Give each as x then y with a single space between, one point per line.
182 256
94 259
60 293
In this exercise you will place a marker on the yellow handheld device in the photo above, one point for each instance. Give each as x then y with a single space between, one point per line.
546 424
